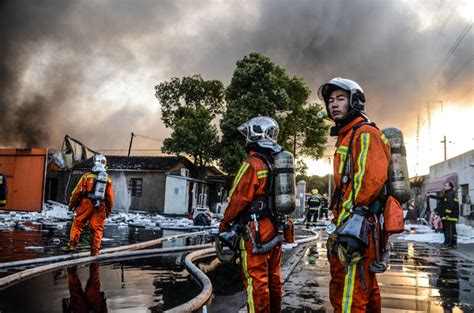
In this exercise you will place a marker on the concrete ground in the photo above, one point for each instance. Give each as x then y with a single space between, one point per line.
421 278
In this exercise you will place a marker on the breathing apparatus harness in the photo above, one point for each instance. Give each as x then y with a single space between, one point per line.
358 222
263 207
97 194
260 208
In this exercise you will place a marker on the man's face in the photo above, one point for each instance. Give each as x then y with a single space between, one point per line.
338 104
447 186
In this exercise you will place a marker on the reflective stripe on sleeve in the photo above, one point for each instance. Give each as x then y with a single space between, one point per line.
262 174
239 175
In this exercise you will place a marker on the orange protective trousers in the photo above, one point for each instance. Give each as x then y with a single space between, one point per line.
346 291
86 212
260 272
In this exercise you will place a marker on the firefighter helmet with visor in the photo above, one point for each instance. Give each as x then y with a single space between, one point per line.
356 94
262 131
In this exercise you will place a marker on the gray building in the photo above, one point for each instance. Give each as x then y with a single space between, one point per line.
458 170
150 184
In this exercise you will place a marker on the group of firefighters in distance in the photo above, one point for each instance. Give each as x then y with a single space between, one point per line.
317 206
256 222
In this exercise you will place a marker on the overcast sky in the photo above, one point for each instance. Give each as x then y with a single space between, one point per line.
88 68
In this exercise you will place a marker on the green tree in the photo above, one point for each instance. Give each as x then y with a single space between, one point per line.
188 107
315 182
259 87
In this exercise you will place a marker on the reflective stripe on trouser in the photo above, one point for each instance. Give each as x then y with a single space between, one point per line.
262 279
96 218
345 289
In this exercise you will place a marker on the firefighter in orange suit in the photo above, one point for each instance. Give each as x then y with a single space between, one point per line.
93 200
361 163
90 299
247 205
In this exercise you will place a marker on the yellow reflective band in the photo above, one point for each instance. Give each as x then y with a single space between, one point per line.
262 174
247 276
456 200
454 219
91 176
342 216
449 211
342 150
361 162
1 180
77 186
384 139
239 175
3 201
349 282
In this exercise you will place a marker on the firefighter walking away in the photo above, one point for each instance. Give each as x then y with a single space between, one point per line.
92 200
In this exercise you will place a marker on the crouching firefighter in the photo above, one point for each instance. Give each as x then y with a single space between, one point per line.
357 240
262 195
92 200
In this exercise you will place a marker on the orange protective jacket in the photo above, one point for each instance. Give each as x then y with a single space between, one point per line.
261 273
85 186
249 183
371 157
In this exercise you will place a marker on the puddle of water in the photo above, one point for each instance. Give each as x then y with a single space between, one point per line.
144 285
43 240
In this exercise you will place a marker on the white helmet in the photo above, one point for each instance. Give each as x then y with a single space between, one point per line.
356 94
100 160
262 131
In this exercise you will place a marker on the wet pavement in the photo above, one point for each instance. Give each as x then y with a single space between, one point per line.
421 278
42 240
144 285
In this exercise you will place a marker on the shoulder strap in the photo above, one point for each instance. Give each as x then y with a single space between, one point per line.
337 193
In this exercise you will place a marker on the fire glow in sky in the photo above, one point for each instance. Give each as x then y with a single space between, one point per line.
88 68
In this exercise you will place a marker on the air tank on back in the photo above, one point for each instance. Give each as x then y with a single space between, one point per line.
284 185
398 171
98 193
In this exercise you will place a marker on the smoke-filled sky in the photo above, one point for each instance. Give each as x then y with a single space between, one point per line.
88 68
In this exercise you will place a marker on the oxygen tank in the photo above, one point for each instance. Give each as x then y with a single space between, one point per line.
99 188
284 184
398 170
3 190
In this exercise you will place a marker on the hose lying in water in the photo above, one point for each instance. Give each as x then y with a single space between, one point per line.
203 297
26 274
65 257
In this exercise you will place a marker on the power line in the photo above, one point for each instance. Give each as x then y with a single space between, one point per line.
447 20
147 137
469 60
453 48
246 14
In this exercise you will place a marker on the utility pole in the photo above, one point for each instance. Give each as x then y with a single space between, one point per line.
444 143
131 141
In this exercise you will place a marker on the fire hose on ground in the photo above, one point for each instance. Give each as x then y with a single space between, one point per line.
66 257
203 297
203 250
